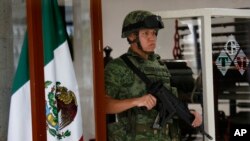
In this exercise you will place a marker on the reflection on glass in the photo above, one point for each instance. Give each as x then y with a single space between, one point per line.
230 45
230 54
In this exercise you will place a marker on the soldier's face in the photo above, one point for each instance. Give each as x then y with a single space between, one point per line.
148 39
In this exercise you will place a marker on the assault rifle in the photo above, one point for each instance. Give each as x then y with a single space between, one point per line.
168 104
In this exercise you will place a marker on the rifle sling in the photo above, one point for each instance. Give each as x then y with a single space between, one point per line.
140 74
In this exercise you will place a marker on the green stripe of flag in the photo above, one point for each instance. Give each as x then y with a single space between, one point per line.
22 72
54 32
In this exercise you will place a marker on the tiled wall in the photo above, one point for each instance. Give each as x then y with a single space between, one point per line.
83 64
6 64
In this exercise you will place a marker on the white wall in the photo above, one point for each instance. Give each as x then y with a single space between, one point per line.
114 12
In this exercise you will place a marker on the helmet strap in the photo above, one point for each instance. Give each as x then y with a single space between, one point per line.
138 42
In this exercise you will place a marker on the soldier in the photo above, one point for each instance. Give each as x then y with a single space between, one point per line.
126 93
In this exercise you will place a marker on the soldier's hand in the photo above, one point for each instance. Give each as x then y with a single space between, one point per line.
148 101
197 119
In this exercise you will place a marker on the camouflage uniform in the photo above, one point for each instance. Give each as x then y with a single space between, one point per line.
122 83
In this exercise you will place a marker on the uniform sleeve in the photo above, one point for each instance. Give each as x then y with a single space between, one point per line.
113 77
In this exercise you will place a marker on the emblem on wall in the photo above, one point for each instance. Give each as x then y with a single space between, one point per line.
232 56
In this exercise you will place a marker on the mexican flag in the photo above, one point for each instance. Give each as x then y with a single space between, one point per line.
63 110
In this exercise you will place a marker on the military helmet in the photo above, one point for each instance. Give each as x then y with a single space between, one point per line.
139 19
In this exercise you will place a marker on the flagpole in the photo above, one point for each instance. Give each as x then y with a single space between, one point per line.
98 68
35 44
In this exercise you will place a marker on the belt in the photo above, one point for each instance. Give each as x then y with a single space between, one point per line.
142 128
